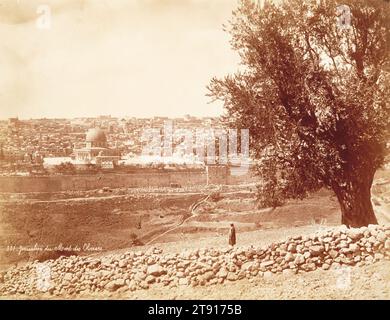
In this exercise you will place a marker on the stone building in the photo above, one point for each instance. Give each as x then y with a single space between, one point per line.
96 150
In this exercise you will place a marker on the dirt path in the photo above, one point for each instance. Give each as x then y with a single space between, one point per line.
186 218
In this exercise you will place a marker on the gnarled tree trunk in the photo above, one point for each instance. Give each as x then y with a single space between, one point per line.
354 198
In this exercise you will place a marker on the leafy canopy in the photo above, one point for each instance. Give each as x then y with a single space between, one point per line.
313 93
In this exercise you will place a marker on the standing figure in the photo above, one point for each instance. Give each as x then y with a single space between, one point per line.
232 235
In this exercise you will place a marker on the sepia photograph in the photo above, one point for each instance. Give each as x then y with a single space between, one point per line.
223 150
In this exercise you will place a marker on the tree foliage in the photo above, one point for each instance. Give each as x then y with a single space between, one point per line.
313 94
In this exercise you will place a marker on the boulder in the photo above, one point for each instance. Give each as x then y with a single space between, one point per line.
232 276
292 247
333 253
381 236
140 276
299 259
150 279
122 263
208 275
115 284
247 265
307 255
325 266
68 276
288 272
183 282
371 240
353 248
155 270
387 245
266 264
289 257
222 273
354 234
307 266
378 256
316 250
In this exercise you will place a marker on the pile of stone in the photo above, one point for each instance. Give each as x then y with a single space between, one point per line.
136 270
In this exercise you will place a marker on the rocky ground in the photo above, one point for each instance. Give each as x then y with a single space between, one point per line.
332 263
364 282
113 222
293 252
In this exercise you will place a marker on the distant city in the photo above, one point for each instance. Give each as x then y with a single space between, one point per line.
36 145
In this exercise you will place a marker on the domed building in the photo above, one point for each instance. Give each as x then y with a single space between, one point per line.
96 150
96 138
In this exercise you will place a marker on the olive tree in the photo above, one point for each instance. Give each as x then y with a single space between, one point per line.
312 88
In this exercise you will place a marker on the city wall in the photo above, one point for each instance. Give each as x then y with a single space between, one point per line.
112 180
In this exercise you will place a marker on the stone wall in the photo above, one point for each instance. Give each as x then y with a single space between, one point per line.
216 175
132 271
98 181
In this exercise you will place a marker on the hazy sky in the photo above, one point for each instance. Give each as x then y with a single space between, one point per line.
124 58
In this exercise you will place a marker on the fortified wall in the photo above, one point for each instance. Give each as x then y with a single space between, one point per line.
57 183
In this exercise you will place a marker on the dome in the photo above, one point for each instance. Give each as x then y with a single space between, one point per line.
96 135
